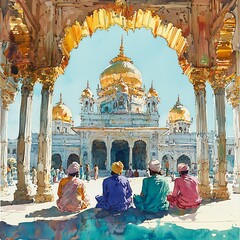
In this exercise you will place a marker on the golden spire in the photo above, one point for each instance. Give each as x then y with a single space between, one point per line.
60 102
178 101
121 49
152 92
121 57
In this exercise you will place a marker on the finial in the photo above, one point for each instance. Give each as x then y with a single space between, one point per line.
60 98
87 84
178 99
152 84
121 49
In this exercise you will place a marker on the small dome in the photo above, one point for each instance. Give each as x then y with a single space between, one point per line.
61 112
179 113
152 92
87 92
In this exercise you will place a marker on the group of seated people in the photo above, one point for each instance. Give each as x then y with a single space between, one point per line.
118 196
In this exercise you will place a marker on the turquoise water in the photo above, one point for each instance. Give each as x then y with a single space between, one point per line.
93 225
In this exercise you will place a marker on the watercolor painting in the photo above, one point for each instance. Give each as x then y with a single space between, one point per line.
97 82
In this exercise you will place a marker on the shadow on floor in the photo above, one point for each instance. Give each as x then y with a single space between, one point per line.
48 212
93 224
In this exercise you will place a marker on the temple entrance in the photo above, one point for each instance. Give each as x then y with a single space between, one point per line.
167 158
99 154
139 155
184 159
73 158
56 161
120 152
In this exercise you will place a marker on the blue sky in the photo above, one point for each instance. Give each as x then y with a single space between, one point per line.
156 61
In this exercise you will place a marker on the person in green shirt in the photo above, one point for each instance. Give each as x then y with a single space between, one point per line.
155 189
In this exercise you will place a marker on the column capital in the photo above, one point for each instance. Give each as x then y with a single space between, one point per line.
219 78
28 83
198 78
8 98
48 76
233 92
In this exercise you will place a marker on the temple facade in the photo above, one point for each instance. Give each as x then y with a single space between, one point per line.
122 123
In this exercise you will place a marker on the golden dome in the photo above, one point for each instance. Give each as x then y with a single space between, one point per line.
87 92
152 92
61 112
179 113
121 66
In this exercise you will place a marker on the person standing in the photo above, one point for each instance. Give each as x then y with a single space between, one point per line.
167 167
81 172
61 174
185 193
153 197
72 192
130 173
34 175
117 193
95 172
9 175
53 175
88 172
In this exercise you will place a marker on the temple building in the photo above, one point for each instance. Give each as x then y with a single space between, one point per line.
122 123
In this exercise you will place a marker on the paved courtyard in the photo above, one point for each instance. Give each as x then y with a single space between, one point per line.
213 220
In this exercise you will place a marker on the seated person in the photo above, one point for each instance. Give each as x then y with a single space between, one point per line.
72 192
155 188
117 193
185 193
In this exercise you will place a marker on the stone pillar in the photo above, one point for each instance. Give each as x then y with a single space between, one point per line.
23 192
44 190
148 158
3 144
130 156
90 152
198 79
233 90
108 163
219 182
236 127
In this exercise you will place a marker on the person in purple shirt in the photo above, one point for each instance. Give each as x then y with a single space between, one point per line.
117 193
185 193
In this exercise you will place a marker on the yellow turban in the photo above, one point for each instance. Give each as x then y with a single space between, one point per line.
117 167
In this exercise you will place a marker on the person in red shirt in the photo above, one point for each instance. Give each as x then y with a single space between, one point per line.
185 193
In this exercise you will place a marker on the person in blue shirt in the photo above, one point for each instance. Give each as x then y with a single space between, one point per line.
155 189
117 193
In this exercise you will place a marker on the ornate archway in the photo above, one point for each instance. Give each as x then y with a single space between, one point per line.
184 159
73 158
56 161
99 154
139 155
104 19
120 152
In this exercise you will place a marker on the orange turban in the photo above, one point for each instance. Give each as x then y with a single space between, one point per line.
117 167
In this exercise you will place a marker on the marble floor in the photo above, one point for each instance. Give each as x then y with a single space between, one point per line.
213 220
